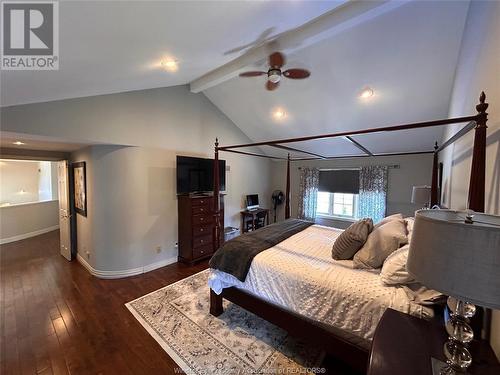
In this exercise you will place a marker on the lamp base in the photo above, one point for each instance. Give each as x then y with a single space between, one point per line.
441 368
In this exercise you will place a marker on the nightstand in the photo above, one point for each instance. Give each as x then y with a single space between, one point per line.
404 345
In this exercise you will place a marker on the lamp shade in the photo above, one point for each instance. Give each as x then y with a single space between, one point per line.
421 194
457 257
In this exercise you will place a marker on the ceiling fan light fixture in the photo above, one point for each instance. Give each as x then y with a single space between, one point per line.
274 75
366 92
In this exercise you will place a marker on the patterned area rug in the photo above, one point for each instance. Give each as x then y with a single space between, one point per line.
236 342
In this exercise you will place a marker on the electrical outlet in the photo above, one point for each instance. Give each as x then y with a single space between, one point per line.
88 254
158 249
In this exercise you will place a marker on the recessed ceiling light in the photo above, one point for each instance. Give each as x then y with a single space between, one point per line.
366 93
18 143
279 114
170 64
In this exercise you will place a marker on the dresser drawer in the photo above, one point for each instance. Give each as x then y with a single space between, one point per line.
199 210
202 251
203 219
202 241
202 230
206 201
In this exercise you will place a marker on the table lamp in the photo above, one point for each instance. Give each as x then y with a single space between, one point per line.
458 254
421 195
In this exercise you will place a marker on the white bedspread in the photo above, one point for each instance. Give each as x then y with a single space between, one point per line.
300 275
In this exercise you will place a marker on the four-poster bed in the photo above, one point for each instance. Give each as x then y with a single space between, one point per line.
299 325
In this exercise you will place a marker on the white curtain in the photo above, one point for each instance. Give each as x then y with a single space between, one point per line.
308 193
373 192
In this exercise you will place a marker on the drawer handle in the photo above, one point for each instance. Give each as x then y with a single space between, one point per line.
202 241
201 219
201 201
202 252
201 230
201 209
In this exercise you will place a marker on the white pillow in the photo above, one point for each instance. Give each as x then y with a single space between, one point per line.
394 269
381 242
386 219
409 221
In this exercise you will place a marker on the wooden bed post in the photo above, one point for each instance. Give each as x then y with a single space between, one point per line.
477 175
434 186
216 307
216 196
287 194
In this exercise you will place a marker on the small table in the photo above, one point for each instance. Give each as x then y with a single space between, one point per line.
253 215
404 344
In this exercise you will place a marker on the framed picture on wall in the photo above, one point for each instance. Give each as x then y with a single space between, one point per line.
80 188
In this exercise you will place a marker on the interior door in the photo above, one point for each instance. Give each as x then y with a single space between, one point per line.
64 209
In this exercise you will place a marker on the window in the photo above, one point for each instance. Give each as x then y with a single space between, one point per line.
338 193
343 205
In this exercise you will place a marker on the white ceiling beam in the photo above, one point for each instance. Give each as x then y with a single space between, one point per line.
335 21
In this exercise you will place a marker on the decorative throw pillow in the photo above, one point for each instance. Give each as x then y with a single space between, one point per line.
352 239
394 269
381 242
387 219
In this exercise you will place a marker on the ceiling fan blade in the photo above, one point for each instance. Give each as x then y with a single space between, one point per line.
237 49
296 73
265 34
263 37
252 74
276 60
272 86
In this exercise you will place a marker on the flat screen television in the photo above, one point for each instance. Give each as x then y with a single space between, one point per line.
196 175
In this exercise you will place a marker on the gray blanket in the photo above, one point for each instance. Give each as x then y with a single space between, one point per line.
236 255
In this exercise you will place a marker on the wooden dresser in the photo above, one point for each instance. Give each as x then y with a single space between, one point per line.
197 227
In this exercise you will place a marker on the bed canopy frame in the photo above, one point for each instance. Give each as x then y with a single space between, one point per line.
298 325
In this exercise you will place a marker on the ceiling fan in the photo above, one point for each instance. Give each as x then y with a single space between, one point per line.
274 74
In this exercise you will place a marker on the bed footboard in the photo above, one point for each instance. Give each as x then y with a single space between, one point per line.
315 333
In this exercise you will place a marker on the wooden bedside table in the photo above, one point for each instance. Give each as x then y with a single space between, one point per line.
404 345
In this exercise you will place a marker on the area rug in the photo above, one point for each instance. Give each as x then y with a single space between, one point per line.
236 342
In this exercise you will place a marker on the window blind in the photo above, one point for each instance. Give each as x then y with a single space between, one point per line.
339 181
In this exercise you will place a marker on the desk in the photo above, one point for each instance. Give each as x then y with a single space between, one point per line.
253 215
404 345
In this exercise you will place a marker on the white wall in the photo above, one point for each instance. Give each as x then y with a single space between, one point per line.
132 204
24 181
413 170
478 70
18 181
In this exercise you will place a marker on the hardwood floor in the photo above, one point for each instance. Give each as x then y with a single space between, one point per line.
56 318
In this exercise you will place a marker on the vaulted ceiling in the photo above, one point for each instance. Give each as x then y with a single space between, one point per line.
407 56
406 53
115 46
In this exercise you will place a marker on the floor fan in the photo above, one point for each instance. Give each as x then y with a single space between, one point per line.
278 197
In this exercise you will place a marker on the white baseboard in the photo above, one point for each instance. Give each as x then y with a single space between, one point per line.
28 235
124 273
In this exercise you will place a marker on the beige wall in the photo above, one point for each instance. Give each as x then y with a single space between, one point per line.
26 220
413 170
132 204
479 69
26 216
